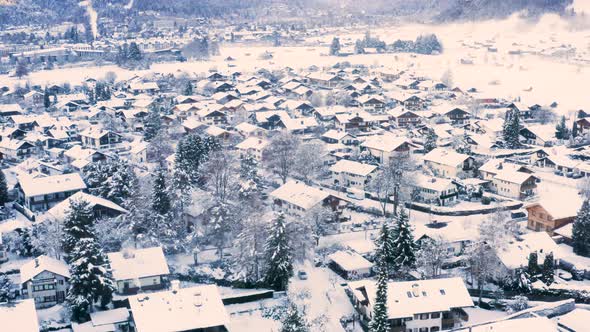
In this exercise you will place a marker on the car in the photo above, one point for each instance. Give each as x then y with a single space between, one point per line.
565 275
569 174
558 172
577 176
302 275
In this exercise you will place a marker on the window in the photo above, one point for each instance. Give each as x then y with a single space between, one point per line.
409 294
434 329
424 316
442 292
416 316
424 294
435 315
423 329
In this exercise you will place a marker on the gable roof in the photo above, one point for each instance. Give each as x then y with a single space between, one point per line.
43 263
446 157
300 194
138 263
352 167
51 184
60 210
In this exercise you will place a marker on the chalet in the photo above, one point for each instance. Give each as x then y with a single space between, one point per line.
7 110
524 111
542 135
302 108
249 130
458 116
15 150
583 125
334 136
514 184
420 305
404 118
298 125
268 119
197 308
296 198
45 279
515 255
325 80
135 270
439 191
350 265
492 167
143 87
354 121
371 103
34 98
406 83
23 122
252 145
101 207
348 173
11 133
215 77
385 147
98 138
43 193
447 163
550 214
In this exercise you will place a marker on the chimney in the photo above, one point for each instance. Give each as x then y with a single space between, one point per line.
175 285
415 290
128 253
36 262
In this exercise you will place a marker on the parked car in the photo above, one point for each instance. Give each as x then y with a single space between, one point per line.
558 172
302 275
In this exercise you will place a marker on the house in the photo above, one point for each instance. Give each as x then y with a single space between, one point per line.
42 193
404 118
387 146
98 138
143 87
296 198
550 214
198 309
138 152
101 207
514 184
515 255
348 173
139 269
447 163
456 235
435 190
354 122
325 80
7 110
458 116
337 137
45 279
249 130
542 135
16 150
350 265
34 98
420 305
19 316
252 145
114 320
371 103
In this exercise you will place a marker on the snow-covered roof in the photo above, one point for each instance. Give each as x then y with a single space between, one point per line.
349 260
19 316
185 309
537 324
60 210
254 143
433 183
564 207
40 264
138 263
386 143
516 253
300 194
575 320
51 184
335 134
446 157
353 167
513 176
406 298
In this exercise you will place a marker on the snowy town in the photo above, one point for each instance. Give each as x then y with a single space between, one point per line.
226 171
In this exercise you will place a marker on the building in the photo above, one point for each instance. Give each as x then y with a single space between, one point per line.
19 316
515 255
45 280
194 309
139 269
114 320
549 214
96 138
447 163
421 305
296 198
101 207
385 147
43 193
514 184
439 191
350 265
348 173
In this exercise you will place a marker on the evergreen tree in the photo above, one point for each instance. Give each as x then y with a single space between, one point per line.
46 100
188 89
575 130
5 288
3 189
359 47
384 244
380 320
335 46
134 53
21 69
249 178
511 129
90 281
430 141
191 153
548 269
278 255
294 322
561 130
152 124
533 265
404 246
78 224
160 197
581 231
121 183
276 38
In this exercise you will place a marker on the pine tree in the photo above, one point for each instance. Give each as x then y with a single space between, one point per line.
575 130
5 288
278 255
134 53
294 322
3 189
430 141
335 46
404 246
548 269
359 47
46 100
188 89
152 124
561 130
78 224
21 69
384 244
533 265
380 320
249 178
121 183
160 197
191 153
511 129
581 231
90 281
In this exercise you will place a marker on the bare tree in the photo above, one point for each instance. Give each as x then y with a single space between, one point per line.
432 255
279 155
222 173
318 219
308 161
393 183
